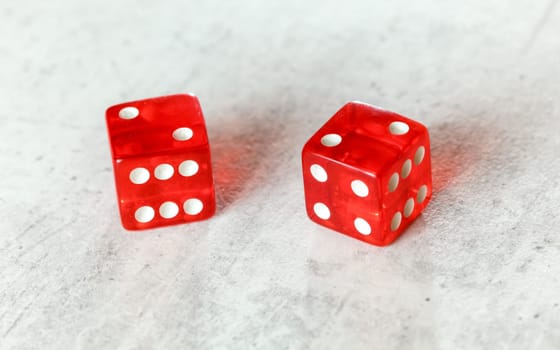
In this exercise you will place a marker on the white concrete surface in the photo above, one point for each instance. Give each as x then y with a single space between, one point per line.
479 270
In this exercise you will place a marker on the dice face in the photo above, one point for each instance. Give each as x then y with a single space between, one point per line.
161 161
367 173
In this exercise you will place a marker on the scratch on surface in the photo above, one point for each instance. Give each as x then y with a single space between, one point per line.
265 322
274 312
341 305
540 24
18 318
47 235
31 226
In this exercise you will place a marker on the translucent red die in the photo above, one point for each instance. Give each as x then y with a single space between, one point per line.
367 173
161 161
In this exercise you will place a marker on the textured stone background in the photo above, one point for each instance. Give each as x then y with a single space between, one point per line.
480 269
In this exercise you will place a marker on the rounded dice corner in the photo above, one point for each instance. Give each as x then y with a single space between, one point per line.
304 149
356 103
187 95
210 210
134 227
112 114
129 223
388 240
417 127
108 112
378 242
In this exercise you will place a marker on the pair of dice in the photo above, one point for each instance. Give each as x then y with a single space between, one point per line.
366 171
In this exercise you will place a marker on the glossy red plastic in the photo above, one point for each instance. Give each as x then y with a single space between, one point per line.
161 161
367 173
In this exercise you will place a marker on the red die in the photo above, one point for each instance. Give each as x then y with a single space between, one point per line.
367 173
161 159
